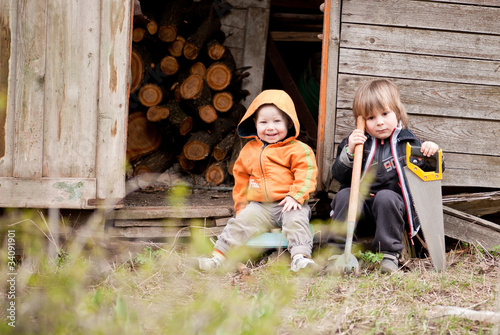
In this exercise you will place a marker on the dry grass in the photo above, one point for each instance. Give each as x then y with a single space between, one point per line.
154 292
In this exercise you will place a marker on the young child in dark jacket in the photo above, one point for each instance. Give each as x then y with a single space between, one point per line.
388 204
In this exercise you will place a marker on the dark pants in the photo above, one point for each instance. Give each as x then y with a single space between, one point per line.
382 216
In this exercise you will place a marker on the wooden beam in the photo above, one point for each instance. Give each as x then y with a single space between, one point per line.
181 212
305 117
160 232
296 36
328 92
471 229
479 204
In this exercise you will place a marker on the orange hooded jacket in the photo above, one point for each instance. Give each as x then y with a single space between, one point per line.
268 173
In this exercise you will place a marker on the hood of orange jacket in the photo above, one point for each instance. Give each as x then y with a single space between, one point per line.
269 172
280 99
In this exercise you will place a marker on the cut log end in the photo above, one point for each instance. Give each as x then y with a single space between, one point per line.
191 51
150 95
223 101
157 113
195 150
142 136
185 163
207 113
218 76
169 65
186 126
167 33
138 34
152 27
198 68
192 87
216 51
215 173
137 71
176 47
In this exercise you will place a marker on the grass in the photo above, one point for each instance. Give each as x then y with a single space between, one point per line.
80 289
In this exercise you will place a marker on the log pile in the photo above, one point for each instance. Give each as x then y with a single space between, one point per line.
185 90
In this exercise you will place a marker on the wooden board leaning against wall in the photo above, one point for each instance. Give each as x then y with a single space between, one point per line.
445 58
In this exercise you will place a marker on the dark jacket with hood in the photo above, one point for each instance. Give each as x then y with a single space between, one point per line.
342 170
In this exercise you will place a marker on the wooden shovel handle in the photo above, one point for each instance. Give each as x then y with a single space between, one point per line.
356 175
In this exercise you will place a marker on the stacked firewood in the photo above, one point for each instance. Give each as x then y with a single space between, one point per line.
185 90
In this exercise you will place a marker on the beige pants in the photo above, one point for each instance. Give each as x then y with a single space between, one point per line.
258 217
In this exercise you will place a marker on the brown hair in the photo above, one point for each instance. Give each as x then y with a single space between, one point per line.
379 94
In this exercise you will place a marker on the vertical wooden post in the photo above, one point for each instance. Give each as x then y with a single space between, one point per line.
328 90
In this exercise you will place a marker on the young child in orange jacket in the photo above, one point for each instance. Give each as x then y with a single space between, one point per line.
274 176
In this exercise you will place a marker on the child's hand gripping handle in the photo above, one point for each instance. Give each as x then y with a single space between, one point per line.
355 181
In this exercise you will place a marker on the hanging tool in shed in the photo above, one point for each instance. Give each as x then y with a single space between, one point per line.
425 189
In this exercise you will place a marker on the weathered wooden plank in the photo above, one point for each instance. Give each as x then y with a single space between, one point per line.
167 222
462 170
184 212
159 232
8 28
433 98
471 229
490 3
477 204
470 170
29 96
418 41
449 133
295 36
307 121
249 3
254 55
46 192
329 69
376 63
423 14
114 65
71 89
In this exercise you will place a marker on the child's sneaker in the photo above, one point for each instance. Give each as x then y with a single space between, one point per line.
209 263
300 261
389 262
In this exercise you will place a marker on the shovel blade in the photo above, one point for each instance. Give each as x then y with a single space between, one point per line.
344 264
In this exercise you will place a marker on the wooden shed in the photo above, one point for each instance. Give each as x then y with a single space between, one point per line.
444 56
64 94
64 88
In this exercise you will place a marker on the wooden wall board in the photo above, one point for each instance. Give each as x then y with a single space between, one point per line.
71 88
421 41
246 27
433 98
461 169
257 23
450 133
411 66
423 14
47 192
8 28
29 96
489 3
114 65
